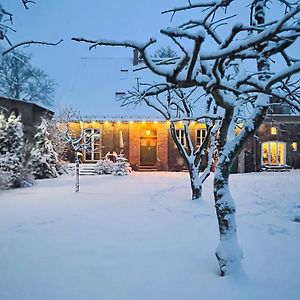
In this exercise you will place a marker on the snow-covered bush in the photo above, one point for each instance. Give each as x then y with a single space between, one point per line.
121 167
11 154
43 157
104 166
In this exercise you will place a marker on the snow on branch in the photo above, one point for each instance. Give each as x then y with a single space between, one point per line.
30 43
203 4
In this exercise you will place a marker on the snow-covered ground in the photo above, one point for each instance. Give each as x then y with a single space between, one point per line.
140 237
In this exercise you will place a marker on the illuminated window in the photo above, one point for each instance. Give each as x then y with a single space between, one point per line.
92 143
294 146
200 136
273 153
273 130
181 136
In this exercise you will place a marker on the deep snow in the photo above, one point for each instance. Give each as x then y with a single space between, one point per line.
140 237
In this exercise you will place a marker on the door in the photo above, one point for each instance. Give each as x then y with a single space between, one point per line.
273 153
148 151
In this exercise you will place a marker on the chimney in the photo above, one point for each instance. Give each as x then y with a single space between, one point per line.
135 57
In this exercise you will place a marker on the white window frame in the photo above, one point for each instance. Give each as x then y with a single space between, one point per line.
181 136
269 152
200 140
93 148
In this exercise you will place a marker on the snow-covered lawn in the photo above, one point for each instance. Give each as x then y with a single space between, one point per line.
140 237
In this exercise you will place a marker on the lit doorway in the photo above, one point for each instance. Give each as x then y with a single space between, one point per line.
273 153
148 147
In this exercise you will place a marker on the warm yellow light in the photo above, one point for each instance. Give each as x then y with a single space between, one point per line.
180 122
148 132
131 122
294 146
118 122
155 122
106 122
168 122
273 130
193 122
143 122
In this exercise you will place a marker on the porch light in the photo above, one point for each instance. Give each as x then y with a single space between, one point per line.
273 130
294 146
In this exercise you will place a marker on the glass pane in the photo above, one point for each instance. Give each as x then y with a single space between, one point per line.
265 153
88 156
281 153
273 153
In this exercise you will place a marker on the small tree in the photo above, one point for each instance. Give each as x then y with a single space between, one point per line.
11 154
43 157
178 106
121 166
76 142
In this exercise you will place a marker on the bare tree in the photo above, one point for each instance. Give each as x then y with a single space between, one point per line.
222 62
77 141
20 80
177 106
6 26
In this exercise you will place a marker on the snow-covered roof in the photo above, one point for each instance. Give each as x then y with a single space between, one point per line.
122 118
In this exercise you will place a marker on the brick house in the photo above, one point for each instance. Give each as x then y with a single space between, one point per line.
146 142
148 145
274 146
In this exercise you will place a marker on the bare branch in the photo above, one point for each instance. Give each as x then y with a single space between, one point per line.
30 43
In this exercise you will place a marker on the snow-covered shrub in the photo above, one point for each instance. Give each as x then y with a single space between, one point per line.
104 166
11 151
43 157
121 167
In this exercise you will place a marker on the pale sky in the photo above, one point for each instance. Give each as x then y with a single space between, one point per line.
52 20
88 84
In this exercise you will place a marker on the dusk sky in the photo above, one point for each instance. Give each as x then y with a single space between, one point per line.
84 78
56 19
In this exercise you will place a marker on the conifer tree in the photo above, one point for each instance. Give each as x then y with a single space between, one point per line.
121 166
43 157
11 144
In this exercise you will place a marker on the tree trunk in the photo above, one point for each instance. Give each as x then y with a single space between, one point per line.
228 251
77 173
196 183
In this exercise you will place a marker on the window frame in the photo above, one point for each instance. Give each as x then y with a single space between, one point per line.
200 140
277 156
95 147
181 136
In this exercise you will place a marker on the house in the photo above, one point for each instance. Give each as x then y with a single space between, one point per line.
31 114
275 146
145 141
148 145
